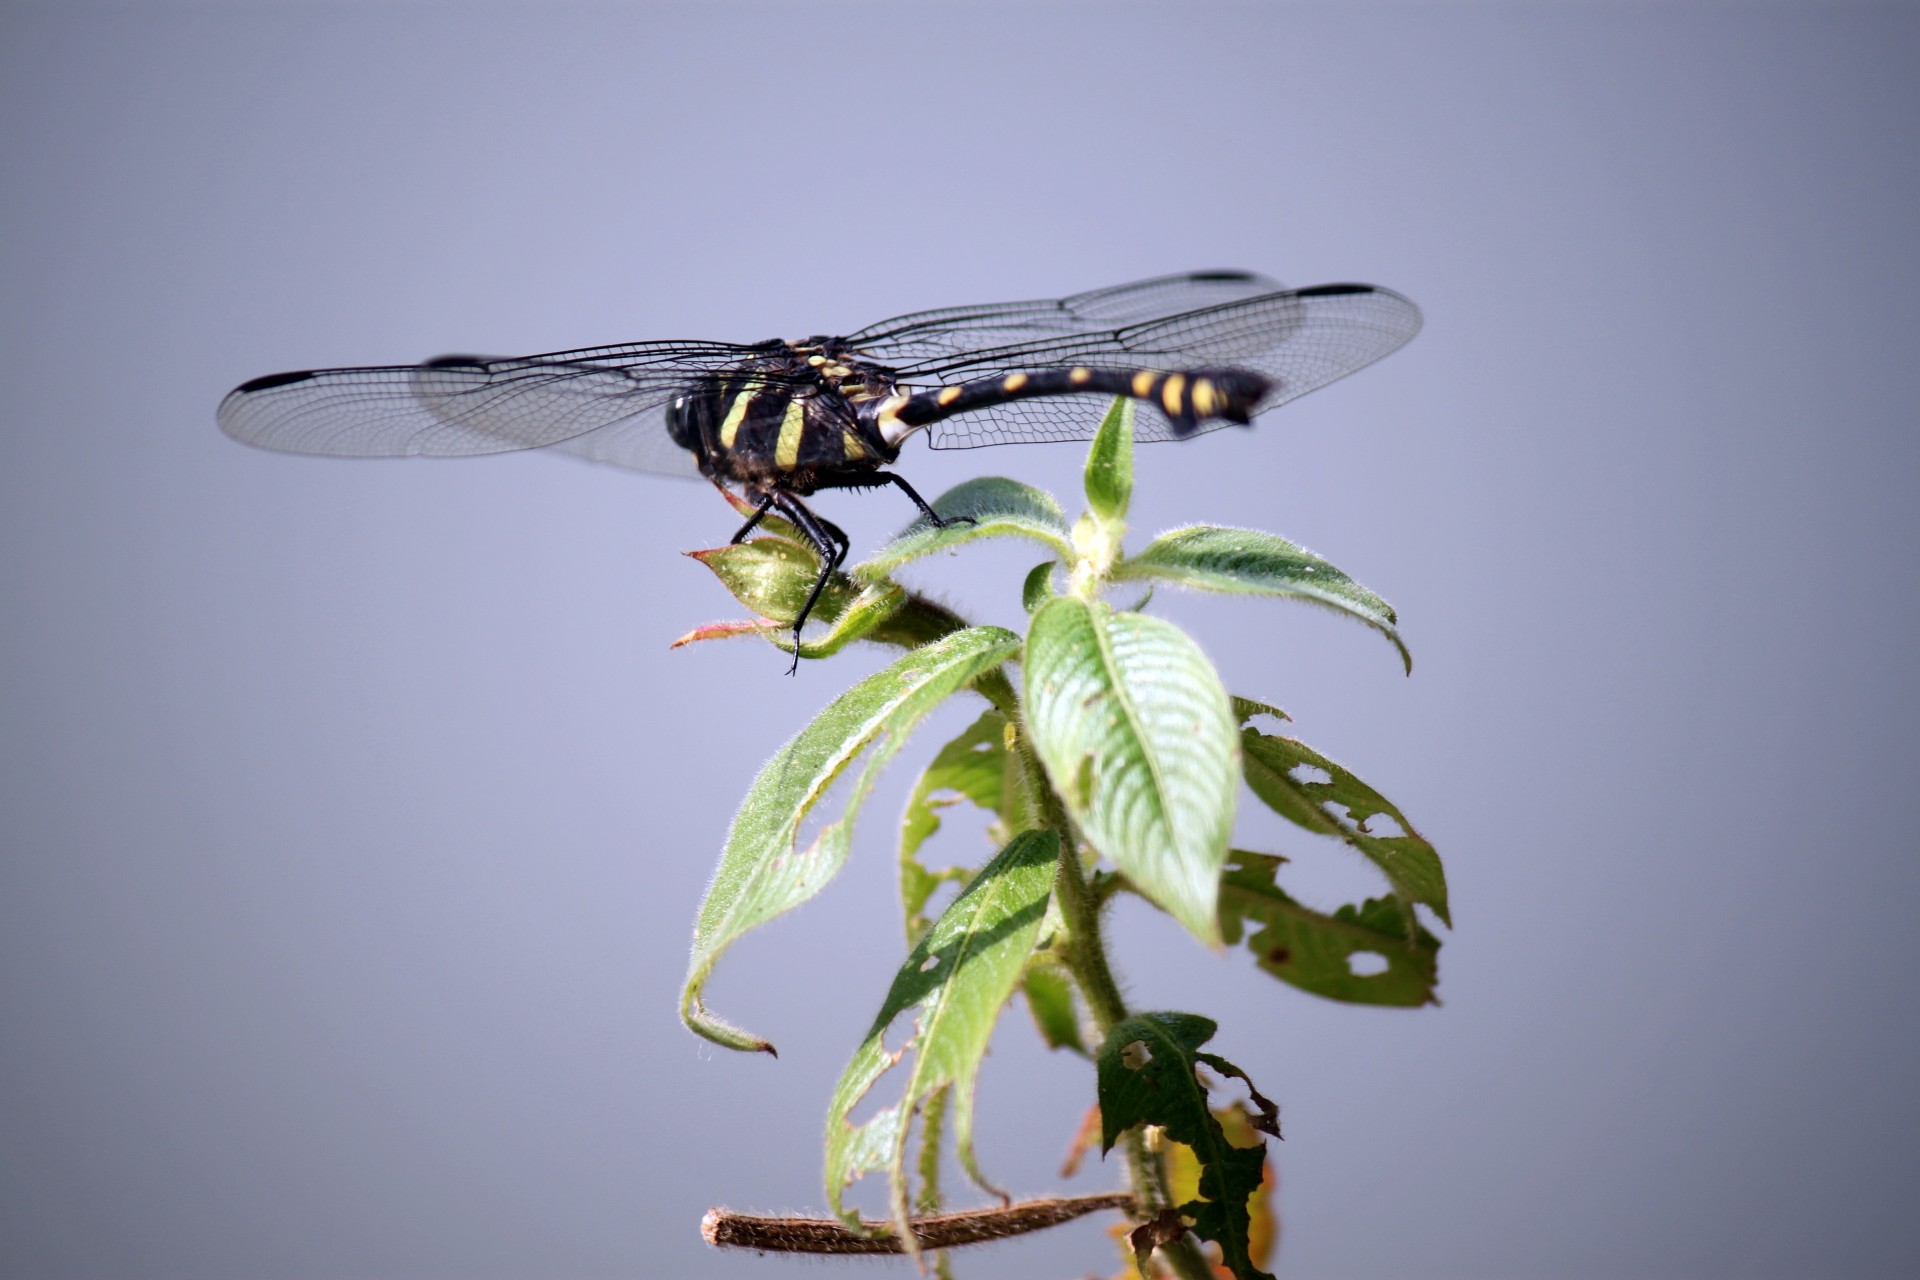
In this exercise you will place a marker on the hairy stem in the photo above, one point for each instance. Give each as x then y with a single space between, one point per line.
1087 959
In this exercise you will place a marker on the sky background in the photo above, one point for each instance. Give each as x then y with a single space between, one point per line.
353 815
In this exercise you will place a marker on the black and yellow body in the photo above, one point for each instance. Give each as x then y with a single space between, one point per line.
810 416
781 420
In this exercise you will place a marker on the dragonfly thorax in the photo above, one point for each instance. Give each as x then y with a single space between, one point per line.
792 419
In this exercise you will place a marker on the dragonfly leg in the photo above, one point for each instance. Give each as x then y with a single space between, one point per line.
881 479
827 539
766 504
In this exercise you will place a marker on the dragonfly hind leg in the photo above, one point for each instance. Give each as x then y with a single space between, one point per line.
880 480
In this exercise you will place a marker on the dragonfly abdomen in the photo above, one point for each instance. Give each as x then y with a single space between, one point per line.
1188 397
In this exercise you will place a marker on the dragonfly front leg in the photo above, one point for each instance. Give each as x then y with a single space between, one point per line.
826 538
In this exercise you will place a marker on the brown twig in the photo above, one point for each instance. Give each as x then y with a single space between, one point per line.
947 1231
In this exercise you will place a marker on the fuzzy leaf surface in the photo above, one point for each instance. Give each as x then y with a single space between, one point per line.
1250 562
1146 1073
1000 508
957 977
1283 773
1110 463
1137 736
763 871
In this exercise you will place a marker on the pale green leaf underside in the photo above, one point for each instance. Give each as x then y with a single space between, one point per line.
958 977
1000 508
1137 735
1285 773
763 871
1314 951
1249 562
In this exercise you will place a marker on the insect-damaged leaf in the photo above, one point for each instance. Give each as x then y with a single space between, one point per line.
1147 1074
971 767
763 871
998 507
1316 952
1136 733
958 977
1249 562
1285 774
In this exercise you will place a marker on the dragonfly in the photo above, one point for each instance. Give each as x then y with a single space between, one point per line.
782 420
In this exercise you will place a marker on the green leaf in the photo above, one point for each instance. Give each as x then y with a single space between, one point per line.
958 977
772 577
1110 463
1281 771
1000 508
763 871
971 767
1136 734
1146 1072
1038 587
1314 951
1249 562
1049 993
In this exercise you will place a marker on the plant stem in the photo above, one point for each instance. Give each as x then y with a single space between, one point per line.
1087 959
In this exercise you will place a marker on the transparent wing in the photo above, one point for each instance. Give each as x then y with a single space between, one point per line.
931 337
1301 339
460 405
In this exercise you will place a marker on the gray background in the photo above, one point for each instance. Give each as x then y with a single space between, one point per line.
354 814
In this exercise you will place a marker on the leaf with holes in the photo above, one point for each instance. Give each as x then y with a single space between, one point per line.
957 977
998 507
1307 789
1135 731
1318 952
763 871
1147 1074
1249 562
972 767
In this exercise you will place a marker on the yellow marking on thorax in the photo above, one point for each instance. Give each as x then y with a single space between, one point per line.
949 395
1143 383
736 414
1203 397
851 446
1170 392
1014 382
786 453
1080 377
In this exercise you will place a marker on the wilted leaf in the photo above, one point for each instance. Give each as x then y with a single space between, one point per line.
1136 734
1147 1074
958 977
1314 951
763 871
999 508
1249 562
